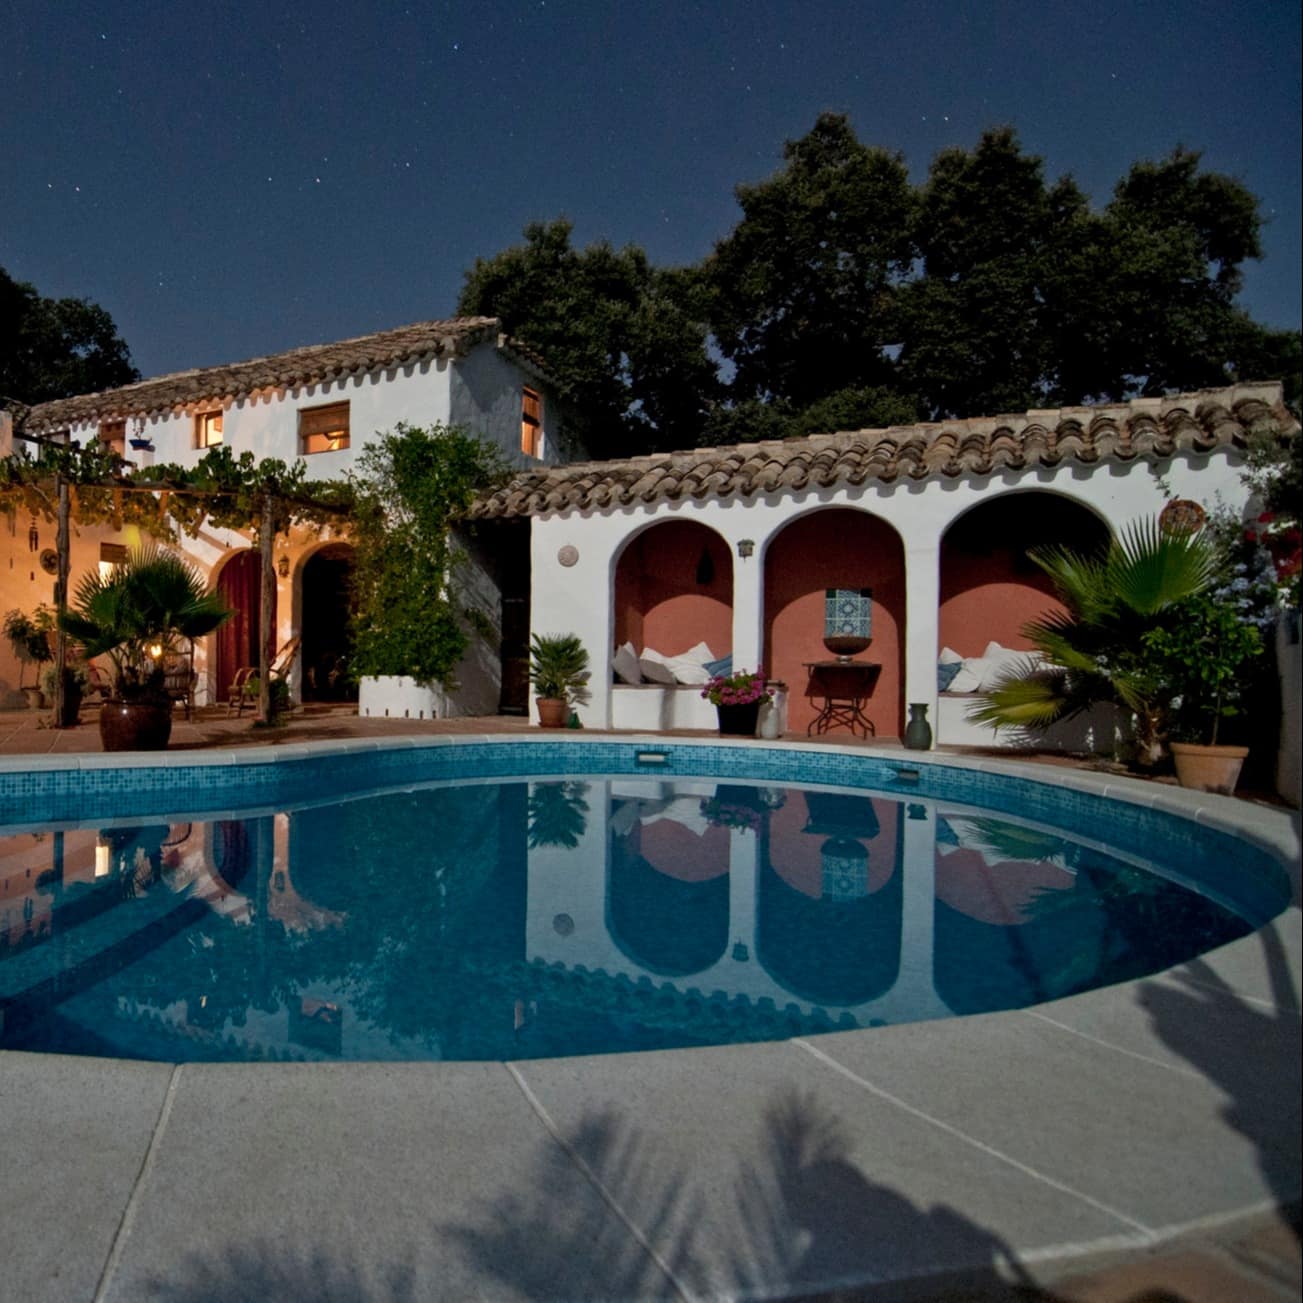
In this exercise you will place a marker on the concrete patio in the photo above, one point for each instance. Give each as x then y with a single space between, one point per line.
1139 1138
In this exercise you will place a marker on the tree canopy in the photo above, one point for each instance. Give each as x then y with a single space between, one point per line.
847 297
54 348
623 340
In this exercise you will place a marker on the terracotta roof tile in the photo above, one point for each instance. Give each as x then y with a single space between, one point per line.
298 366
1150 429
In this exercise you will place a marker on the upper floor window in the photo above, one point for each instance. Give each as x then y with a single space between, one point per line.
208 429
531 423
323 429
113 436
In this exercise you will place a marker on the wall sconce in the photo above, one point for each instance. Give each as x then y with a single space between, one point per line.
745 547
33 537
283 567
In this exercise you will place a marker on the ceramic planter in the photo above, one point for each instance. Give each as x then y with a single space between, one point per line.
738 721
553 712
135 725
1208 768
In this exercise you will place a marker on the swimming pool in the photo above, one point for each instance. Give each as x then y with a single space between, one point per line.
491 900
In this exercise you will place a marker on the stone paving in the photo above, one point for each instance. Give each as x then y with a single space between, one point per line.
1253 1256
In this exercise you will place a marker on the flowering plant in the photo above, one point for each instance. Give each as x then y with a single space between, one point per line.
740 689
726 814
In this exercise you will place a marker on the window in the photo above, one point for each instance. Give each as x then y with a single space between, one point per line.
531 423
113 437
112 555
208 429
323 429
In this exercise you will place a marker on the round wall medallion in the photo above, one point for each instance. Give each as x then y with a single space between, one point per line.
1181 516
568 554
50 561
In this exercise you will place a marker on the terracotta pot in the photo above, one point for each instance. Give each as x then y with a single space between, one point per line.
1208 769
553 712
135 725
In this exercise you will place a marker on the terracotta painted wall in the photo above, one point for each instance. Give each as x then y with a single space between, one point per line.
989 589
835 548
982 599
659 602
797 855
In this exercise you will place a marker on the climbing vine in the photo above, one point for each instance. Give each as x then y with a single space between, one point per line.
409 488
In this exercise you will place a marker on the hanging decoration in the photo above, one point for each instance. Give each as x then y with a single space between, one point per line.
705 568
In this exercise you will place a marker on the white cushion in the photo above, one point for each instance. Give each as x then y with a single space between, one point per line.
625 664
970 676
698 655
949 656
1004 661
686 670
653 667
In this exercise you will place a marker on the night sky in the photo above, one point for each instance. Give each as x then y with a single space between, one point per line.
235 179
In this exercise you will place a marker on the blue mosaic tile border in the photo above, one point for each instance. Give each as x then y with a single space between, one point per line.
1207 856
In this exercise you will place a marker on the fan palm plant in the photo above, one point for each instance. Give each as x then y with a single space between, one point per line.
136 615
1096 649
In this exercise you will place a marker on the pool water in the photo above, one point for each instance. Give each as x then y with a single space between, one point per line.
520 919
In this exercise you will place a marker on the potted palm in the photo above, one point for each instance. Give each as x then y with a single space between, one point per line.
136 616
29 638
558 669
1202 657
1096 650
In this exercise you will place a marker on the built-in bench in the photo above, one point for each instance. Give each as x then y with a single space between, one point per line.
1095 732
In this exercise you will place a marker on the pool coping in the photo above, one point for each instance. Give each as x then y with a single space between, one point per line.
1212 1045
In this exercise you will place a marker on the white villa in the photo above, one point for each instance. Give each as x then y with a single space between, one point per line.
707 555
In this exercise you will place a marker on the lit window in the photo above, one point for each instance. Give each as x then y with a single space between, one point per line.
323 429
208 429
531 423
112 555
113 437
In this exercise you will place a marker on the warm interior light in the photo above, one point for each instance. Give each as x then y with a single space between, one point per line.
156 650
102 863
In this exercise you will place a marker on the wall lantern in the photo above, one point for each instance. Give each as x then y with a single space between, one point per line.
33 536
745 547
283 567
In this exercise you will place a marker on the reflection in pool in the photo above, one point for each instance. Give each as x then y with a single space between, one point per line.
525 919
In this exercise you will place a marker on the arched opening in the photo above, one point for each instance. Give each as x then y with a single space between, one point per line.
835 547
239 582
674 589
828 919
327 647
667 887
989 587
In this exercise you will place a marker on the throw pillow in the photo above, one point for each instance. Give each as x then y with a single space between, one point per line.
970 676
625 665
946 674
653 667
723 666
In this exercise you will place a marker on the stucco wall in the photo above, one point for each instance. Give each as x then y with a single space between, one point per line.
266 423
24 584
486 393
580 598
485 398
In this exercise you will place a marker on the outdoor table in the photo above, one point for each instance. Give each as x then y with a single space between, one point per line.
843 687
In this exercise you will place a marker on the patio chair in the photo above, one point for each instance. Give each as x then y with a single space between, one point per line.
244 684
98 683
179 679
